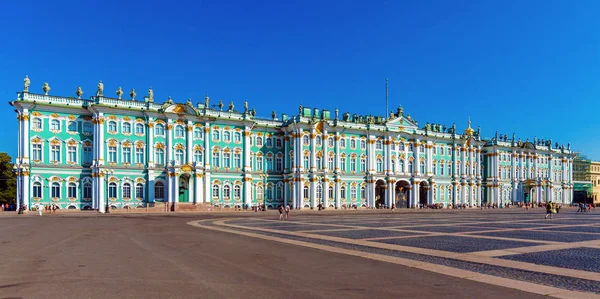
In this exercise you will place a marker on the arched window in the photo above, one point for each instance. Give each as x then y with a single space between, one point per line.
259 141
126 128
319 140
353 193
215 191
269 142
422 167
237 160
378 145
179 131
330 142
237 191
139 191
226 191
215 135
55 190
160 156
72 190
198 134
87 127
126 190
363 193
87 190
305 192
179 156
330 192
330 163
72 126
306 164
237 137
343 142
343 192
198 156
112 126
279 195
352 143
410 167
269 192
379 165
112 190
55 125
36 124
159 190
159 130
434 166
363 164
260 193
139 128
215 159
363 144
401 161
227 160
305 140
319 162
319 191
401 146
226 136
37 189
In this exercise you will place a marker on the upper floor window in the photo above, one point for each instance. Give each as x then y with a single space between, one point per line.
330 142
139 128
112 126
159 130
237 137
352 143
226 136
305 140
363 144
343 142
215 135
55 125
378 145
36 124
198 133
259 141
72 126
319 140
87 127
278 142
269 142
179 131
126 128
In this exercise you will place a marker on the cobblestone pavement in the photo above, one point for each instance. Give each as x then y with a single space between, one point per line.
522 248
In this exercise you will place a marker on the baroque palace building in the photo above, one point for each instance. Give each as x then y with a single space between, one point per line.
90 153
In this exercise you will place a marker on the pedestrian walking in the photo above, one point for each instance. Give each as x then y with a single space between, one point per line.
287 212
40 209
548 210
281 212
393 207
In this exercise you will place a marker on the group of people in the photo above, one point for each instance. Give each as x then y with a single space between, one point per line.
284 212
551 209
583 207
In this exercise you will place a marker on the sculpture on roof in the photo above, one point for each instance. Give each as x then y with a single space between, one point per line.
206 101
274 115
300 109
132 94
100 91
336 113
26 84
245 106
189 102
169 100
400 111
46 88
253 112
231 106
79 92
150 94
220 105
119 92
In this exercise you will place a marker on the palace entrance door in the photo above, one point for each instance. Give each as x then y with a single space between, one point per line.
184 183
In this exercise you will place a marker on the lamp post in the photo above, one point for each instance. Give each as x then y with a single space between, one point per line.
105 173
264 176
19 171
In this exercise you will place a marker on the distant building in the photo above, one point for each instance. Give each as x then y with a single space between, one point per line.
595 178
89 153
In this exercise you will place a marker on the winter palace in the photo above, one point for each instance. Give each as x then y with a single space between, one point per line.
121 152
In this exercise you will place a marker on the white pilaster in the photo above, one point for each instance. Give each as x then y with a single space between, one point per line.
189 157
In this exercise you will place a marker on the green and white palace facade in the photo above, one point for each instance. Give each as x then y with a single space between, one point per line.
110 151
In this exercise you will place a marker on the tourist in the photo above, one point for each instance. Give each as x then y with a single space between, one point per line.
548 210
393 207
287 212
280 212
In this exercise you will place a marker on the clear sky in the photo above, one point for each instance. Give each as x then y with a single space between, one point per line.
528 67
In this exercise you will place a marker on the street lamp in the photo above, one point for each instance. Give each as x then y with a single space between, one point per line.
264 176
105 173
20 180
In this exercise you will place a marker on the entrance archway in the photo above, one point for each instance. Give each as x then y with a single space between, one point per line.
184 184
423 193
403 194
380 188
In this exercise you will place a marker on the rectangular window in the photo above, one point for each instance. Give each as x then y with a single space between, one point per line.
55 152
363 165
139 155
87 154
259 163
343 164
279 164
72 154
237 160
126 155
215 160
352 165
112 154
37 152
269 163
227 160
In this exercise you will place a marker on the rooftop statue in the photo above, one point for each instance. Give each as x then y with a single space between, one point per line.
150 94
274 115
79 92
231 106
220 105
253 112
206 101
119 93
189 102
400 111
132 94
336 113
169 100
46 88
300 109
100 91
245 106
444 128
26 84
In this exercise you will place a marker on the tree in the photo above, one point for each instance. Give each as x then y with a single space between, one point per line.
8 181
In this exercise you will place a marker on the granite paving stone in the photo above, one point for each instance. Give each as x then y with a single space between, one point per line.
366 233
457 243
543 235
581 258
448 229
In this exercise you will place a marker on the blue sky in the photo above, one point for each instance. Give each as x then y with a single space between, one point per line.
528 67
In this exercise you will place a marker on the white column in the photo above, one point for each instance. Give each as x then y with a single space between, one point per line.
313 153
247 191
478 195
286 191
150 186
325 193
150 151
208 153
208 188
338 197
389 194
169 131
170 187
313 194
198 188
337 157
429 165
101 157
101 193
26 154
416 194
189 156
325 159
416 162
175 197
26 187
20 143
